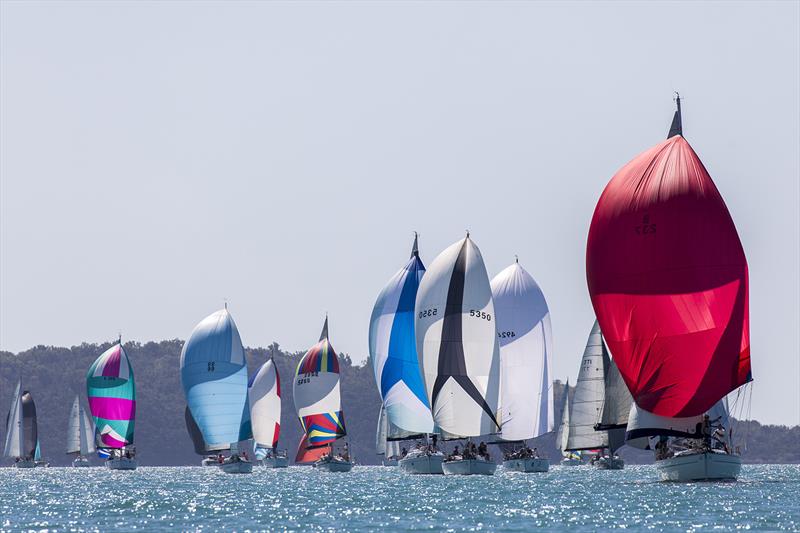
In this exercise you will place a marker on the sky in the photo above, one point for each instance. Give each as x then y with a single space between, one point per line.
159 159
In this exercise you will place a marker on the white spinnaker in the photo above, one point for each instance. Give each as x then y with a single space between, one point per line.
457 342
590 389
265 404
14 436
525 338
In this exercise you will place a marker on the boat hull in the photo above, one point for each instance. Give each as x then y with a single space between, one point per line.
571 462
469 467
81 462
25 464
238 467
334 466
706 466
210 461
121 463
422 464
275 462
527 464
609 463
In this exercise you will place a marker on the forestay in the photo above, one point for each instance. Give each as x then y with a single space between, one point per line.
457 342
525 338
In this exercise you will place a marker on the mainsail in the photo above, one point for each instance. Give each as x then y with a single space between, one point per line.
668 280
393 351
112 398
562 436
457 342
15 436
80 433
264 393
587 403
214 378
525 337
317 396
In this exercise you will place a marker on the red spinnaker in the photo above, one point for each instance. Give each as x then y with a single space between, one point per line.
668 280
306 455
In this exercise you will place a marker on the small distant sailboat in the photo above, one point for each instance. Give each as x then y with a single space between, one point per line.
111 390
614 418
37 456
264 393
562 436
668 279
587 405
405 411
214 379
22 432
80 435
317 398
525 337
459 352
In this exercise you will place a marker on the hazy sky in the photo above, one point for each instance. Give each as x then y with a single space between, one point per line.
158 158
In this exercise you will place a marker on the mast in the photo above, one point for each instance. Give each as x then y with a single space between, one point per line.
676 128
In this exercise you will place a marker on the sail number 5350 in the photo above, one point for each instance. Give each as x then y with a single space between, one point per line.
428 312
480 314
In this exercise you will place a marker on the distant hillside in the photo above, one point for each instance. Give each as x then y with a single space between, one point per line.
55 375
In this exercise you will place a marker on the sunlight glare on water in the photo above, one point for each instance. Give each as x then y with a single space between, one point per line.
299 498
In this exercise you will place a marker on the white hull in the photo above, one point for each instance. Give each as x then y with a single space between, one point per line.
122 463
422 464
42 464
468 467
209 461
571 462
527 464
79 462
25 464
238 467
609 463
706 466
275 462
333 465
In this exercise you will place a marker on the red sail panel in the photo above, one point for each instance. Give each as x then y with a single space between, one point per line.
306 455
668 280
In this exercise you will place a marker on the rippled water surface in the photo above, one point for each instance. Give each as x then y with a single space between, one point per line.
297 498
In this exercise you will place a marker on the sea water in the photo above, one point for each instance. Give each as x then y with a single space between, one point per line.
370 498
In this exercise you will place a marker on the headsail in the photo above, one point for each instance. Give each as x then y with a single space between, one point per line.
669 282
15 436
525 337
393 351
457 342
111 390
617 401
80 434
587 403
317 395
562 436
214 378
264 392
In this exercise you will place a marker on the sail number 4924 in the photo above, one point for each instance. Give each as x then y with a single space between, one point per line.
480 314
506 334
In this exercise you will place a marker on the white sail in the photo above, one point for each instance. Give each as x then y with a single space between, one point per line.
264 394
457 342
587 403
14 434
380 433
86 433
562 437
80 433
525 338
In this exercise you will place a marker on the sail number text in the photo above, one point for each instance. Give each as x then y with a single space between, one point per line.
506 334
306 378
428 312
480 314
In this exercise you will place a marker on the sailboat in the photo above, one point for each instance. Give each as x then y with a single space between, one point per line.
459 352
385 446
264 394
22 432
617 403
405 410
37 456
80 435
562 436
588 402
214 379
525 337
668 279
317 398
111 390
